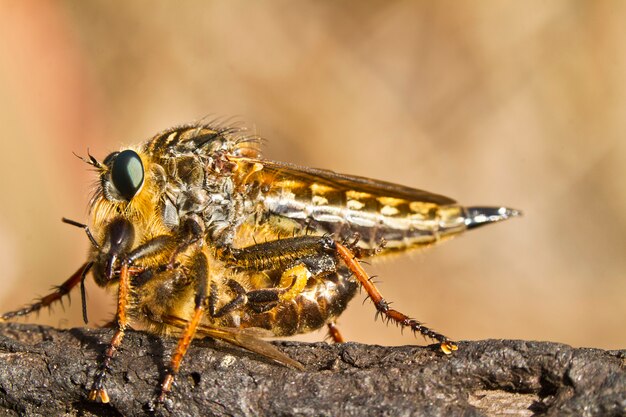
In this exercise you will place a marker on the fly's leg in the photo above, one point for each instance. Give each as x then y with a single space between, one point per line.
348 257
276 254
238 301
286 252
292 282
191 233
98 392
334 333
158 244
47 301
200 274
291 254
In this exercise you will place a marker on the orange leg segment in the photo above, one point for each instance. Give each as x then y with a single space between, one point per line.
181 349
348 257
98 392
200 274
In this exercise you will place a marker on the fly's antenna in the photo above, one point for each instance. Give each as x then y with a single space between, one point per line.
91 160
85 228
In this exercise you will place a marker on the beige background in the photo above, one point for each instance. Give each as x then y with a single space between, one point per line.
490 102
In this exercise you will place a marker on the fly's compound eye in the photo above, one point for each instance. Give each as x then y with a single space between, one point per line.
127 173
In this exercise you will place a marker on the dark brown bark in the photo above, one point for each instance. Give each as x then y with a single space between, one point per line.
45 371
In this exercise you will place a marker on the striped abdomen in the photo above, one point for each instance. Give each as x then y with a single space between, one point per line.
321 201
399 222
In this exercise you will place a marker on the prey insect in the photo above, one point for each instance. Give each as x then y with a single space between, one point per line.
201 235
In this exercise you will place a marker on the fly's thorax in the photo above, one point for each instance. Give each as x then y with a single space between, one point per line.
203 186
203 179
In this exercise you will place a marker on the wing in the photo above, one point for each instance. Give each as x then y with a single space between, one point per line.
248 339
320 201
342 182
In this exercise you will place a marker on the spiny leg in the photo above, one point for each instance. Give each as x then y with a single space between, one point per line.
191 234
275 254
238 301
334 333
292 282
301 257
346 255
47 301
98 392
201 274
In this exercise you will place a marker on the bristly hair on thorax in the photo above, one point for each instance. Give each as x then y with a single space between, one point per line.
186 170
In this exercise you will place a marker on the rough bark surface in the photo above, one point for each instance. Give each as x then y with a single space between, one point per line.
45 371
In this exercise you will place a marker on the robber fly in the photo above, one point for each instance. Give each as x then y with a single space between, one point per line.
200 234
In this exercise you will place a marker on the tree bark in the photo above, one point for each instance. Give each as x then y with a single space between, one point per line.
46 371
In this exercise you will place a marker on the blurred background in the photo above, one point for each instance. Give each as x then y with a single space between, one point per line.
494 102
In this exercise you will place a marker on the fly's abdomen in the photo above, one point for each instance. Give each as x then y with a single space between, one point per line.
400 223
320 201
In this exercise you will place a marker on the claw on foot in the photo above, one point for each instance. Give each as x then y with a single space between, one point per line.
100 395
448 347
166 387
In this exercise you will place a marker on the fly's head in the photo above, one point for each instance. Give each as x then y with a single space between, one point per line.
124 209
